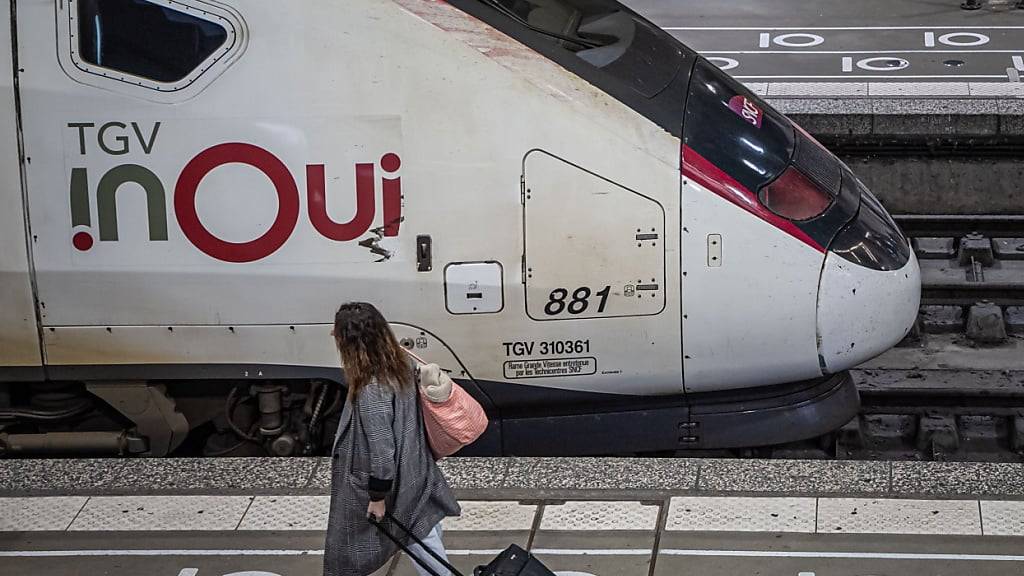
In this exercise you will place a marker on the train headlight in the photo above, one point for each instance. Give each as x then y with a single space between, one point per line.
793 196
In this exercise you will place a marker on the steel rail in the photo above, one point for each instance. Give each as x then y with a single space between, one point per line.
958 225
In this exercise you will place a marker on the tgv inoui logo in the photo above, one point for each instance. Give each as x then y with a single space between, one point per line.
190 178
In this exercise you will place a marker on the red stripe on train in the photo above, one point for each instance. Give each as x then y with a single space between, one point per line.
713 178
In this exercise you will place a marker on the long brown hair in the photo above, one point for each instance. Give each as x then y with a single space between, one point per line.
368 348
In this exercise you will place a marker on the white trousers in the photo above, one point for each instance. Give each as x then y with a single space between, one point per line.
432 541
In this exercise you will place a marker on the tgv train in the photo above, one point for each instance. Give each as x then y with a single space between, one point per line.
609 242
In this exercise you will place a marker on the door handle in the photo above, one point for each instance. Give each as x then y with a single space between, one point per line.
424 253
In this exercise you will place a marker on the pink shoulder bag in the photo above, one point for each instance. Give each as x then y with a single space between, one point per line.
452 423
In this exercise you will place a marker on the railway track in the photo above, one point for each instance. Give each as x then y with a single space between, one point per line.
954 390
937 415
911 414
959 225
968 259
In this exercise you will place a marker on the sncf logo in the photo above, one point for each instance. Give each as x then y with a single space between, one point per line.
746 109
188 184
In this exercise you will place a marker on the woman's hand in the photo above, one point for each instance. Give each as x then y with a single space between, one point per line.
435 383
375 510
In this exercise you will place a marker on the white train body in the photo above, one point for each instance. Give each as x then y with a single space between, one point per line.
518 222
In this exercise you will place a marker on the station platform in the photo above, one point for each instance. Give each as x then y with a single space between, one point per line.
933 48
593 516
874 52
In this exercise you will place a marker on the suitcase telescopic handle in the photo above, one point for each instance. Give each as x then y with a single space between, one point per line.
415 557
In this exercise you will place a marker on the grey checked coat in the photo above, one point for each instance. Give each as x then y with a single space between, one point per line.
381 435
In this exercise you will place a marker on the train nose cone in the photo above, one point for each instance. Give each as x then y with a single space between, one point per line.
863 312
869 292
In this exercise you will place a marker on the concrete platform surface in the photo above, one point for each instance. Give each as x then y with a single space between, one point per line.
716 536
528 478
550 524
888 91
912 41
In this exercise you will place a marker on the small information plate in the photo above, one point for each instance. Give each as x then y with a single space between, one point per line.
550 367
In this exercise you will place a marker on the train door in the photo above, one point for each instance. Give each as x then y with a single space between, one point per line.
20 357
594 249
595 272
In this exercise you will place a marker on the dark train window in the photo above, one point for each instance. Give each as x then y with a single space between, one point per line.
734 129
872 239
602 34
145 39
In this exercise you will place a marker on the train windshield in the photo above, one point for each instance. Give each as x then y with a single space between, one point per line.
602 34
734 129
739 147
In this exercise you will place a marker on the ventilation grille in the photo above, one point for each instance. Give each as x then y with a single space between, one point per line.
818 164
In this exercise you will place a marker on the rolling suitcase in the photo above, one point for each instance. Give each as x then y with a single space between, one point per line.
514 561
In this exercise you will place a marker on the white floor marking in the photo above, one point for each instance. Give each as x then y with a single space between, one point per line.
837 52
905 516
1018 63
600 516
724 63
805 574
977 39
765 40
286 513
492 516
847 64
1002 518
19 514
739 514
809 40
872 77
544 551
869 64
587 552
887 516
134 513
742 28
193 552
188 572
845 555
929 39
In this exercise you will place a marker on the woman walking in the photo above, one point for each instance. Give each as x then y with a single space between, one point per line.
381 461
